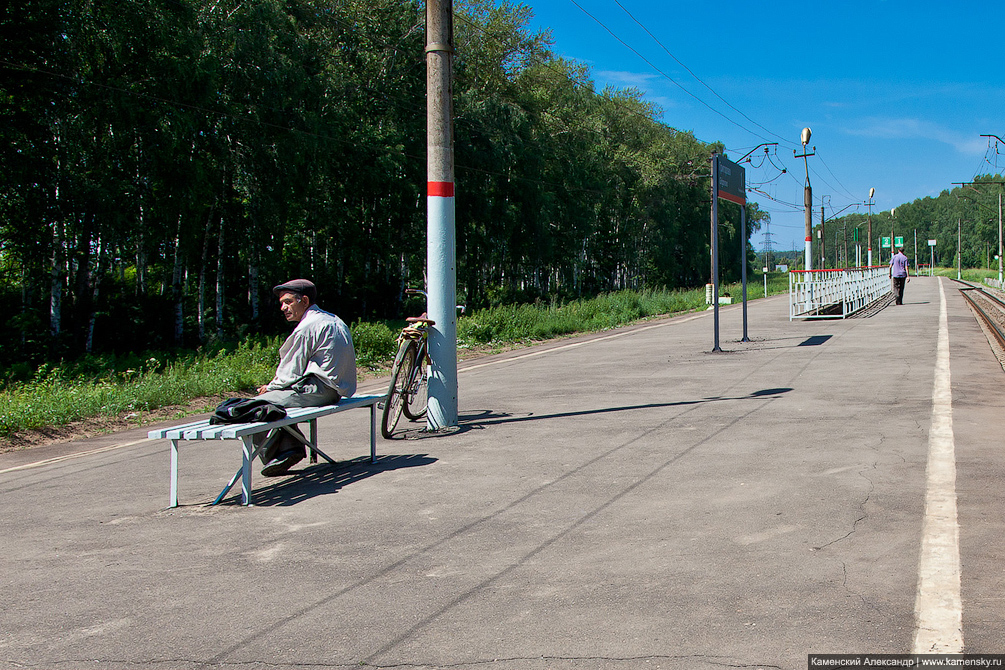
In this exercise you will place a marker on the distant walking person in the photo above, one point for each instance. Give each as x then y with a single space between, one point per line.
899 273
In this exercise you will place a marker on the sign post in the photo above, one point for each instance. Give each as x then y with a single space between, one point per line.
931 264
728 183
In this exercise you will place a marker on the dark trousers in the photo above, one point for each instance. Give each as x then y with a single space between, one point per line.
898 289
308 392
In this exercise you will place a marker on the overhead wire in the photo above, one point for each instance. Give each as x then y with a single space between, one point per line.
550 65
564 73
841 187
665 75
824 163
697 78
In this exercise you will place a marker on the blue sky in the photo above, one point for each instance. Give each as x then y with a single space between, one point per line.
897 93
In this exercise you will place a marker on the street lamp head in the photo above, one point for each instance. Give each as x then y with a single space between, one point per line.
872 192
893 211
807 133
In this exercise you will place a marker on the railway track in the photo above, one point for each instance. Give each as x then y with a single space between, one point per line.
989 308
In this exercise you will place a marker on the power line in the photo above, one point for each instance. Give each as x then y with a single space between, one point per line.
665 75
550 65
698 79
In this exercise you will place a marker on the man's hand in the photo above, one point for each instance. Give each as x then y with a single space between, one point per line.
262 389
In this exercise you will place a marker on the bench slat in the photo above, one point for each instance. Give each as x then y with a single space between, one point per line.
204 430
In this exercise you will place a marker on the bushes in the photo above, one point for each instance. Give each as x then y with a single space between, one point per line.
114 385
375 343
516 323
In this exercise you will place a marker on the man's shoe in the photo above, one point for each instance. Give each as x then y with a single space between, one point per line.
279 465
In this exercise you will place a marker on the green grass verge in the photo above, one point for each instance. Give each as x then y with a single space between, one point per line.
112 386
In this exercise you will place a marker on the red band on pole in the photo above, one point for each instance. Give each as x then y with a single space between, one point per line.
809 239
443 189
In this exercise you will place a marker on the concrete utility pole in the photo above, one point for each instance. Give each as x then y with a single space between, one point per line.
868 260
441 248
807 200
999 237
823 241
959 248
892 214
845 233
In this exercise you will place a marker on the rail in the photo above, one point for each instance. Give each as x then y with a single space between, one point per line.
835 294
993 325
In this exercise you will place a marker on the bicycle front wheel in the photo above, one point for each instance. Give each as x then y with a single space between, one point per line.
397 390
418 392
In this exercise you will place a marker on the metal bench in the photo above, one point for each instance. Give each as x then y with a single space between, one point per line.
245 432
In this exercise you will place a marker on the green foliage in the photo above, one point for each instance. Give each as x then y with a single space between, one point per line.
375 343
58 395
516 323
114 385
165 163
963 218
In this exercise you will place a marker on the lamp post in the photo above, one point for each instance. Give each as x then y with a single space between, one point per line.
807 200
959 248
893 214
868 260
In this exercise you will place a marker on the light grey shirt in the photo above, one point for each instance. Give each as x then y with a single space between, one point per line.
320 345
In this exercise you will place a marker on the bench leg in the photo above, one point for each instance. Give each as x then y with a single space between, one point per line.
313 441
249 454
173 501
373 433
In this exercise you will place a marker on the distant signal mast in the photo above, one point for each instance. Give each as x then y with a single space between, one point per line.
768 251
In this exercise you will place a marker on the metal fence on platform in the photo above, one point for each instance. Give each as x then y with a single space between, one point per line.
994 283
835 294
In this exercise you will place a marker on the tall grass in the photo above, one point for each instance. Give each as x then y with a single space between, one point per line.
515 323
113 386
109 386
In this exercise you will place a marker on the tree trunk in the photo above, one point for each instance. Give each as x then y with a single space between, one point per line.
176 290
82 282
219 281
95 288
201 313
253 285
56 283
141 259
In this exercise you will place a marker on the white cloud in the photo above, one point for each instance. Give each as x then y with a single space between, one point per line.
622 79
914 129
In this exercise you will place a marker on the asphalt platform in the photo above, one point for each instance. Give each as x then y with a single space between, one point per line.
622 500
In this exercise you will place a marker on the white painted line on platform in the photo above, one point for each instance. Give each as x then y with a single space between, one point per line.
938 608
60 459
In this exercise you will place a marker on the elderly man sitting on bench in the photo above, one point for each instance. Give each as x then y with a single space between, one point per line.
317 366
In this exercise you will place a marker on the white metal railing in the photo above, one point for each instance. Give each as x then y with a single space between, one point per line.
835 294
994 283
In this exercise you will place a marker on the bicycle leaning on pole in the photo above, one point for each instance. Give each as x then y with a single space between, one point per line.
408 391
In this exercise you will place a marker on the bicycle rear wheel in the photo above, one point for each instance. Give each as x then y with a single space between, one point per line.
394 401
418 391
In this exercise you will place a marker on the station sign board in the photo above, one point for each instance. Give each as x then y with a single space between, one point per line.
898 241
884 243
931 243
731 182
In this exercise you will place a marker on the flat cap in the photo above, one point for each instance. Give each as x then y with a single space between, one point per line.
303 286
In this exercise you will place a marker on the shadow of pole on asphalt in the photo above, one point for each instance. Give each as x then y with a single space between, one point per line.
490 418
